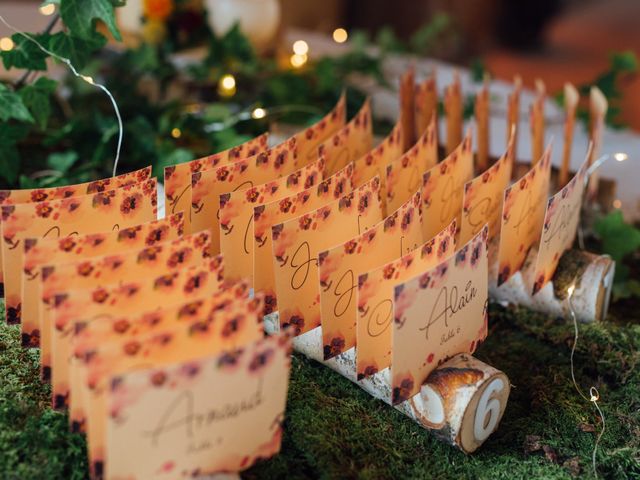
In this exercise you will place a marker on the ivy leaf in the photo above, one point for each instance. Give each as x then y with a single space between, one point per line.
9 157
25 53
62 162
80 15
36 98
618 238
11 106
77 50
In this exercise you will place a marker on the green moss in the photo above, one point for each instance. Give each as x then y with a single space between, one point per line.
571 265
336 430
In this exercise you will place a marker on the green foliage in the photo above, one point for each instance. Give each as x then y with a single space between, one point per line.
12 106
36 98
25 53
80 17
77 50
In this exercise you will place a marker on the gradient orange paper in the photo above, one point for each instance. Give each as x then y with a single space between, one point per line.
297 242
522 217
453 109
340 266
438 314
443 189
98 212
208 185
560 225
134 296
143 404
375 299
426 104
236 215
222 331
536 122
350 143
177 178
12 197
404 175
407 107
79 247
267 215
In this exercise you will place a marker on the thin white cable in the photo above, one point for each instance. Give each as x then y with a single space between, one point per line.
85 78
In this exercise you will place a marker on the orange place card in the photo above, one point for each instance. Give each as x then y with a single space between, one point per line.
560 225
340 266
598 106
426 104
91 335
177 178
82 247
210 335
453 109
236 215
403 176
208 185
483 196
536 121
375 162
121 299
273 213
375 299
439 314
482 112
97 212
297 242
513 114
407 107
208 415
12 197
523 217
443 189
350 143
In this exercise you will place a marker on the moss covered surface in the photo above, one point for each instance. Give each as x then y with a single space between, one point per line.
335 430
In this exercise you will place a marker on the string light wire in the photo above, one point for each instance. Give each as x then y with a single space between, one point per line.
85 78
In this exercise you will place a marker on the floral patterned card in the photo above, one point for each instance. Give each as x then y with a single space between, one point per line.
177 178
340 266
482 202
350 143
236 215
375 162
208 185
220 332
12 197
404 175
91 335
178 418
267 215
438 314
86 246
115 267
443 189
375 299
121 299
407 107
453 109
560 225
426 104
297 242
97 212
523 217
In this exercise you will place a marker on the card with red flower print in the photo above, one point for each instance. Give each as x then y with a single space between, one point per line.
349 143
194 416
136 295
12 197
236 215
443 189
560 226
438 314
218 331
523 217
97 212
177 178
341 265
273 213
375 299
298 241
82 247
403 175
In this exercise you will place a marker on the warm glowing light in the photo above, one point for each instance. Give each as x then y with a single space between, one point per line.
620 157
176 133
340 35
6 44
227 85
617 204
87 79
298 61
571 289
259 113
47 10
300 47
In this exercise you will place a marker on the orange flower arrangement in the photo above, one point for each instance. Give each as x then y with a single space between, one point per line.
158 9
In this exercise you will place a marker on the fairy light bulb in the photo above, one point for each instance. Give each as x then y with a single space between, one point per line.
48 9
300 47
340 35
258 113
620 156
176 133
6 44
298 61
227 85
